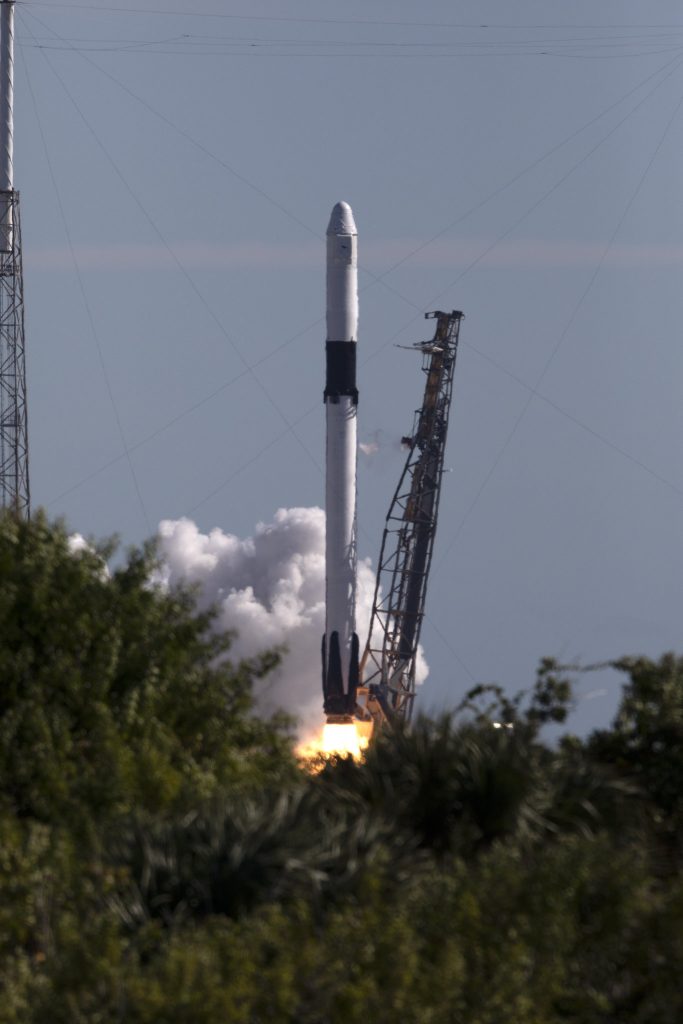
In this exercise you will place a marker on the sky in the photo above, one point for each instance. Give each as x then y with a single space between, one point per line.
519 161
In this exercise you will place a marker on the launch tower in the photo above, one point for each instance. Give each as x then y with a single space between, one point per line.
14 482
388 666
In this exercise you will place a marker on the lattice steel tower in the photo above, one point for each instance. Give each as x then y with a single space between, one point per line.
14 484
388 666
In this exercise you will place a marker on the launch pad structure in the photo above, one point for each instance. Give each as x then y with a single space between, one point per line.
388 666
14 478
378 690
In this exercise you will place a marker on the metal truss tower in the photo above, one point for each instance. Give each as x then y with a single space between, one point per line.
387 691
14 481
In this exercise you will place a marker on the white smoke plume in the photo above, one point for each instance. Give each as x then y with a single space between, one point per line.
369 447
379 442
77 542
270 589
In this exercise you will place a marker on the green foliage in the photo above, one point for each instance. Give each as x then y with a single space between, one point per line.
456 788
162 859
645 742
231 858
114 694
463 782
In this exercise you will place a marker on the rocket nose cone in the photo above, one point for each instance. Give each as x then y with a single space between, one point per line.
341 221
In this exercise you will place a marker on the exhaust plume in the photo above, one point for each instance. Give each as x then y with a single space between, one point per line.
270 590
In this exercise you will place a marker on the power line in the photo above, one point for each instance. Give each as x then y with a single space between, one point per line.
534 392
574 419
189 138
166 12
247 370
188 277
187 412
527 387
461 218
488 249
673 65
447 644
288 213
565 332
216 40
87 306
262 51
381 279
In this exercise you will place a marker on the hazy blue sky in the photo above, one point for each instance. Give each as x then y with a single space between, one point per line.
521 161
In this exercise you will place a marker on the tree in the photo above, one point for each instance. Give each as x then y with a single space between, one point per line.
115 693
645 742
463 781
162 859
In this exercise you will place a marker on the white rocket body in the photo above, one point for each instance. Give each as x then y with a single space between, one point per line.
340 643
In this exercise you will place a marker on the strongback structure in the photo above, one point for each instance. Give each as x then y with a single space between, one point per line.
14 481
387 690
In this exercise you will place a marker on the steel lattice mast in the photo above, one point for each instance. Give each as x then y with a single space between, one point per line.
14 481
388 665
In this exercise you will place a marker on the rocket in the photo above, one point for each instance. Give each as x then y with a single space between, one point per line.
340 642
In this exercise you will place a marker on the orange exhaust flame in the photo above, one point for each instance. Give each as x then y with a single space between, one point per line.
335 739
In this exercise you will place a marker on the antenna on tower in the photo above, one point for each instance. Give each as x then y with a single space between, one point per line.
14 482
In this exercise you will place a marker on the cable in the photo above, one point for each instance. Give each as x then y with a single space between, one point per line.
527 387
565 332
573 419
512 181
536 162
215 40
538 395
288 213
534 206
185 47
165 12
179 264
468 213
249 462
86 304
186 135
447 644
186 412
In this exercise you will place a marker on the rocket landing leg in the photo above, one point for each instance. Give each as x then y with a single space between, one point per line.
339 700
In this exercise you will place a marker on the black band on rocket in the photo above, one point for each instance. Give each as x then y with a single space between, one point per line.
341 370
